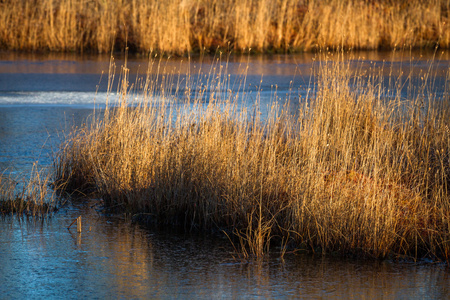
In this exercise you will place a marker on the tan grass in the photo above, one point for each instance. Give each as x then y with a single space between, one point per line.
30 197
180 26
352 173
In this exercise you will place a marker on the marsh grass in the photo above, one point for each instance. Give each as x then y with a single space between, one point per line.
30 197
181 26
352 172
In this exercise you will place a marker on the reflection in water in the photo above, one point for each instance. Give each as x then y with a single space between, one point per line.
110 258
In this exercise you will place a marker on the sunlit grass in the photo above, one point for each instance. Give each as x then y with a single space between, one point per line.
351 171
180 26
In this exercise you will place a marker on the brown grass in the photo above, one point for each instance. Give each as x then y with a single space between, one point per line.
30 197
180 26
351 173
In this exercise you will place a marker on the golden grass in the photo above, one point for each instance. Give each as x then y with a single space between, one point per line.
351 172
180 26
32 198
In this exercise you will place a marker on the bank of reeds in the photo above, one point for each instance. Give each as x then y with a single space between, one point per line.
180 26
353 172
30 197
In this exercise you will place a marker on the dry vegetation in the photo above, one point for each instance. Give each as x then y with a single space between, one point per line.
350 173
30 197
180 26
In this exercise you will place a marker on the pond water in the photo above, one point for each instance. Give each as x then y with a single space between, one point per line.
113 259
43 96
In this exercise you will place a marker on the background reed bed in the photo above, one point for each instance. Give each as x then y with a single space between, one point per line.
182 26
352 172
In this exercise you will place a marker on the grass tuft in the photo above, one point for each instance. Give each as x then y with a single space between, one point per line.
31 197
357 170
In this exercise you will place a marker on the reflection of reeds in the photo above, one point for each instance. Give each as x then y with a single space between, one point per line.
179 26
32 199
351 173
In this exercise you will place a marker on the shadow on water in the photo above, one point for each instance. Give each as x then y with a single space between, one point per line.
42 97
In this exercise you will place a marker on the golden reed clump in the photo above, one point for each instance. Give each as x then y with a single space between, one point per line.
181 26
351 172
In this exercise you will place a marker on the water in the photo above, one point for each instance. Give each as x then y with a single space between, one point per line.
43 96
113 259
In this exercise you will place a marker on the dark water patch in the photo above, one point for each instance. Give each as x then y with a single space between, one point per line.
35 82
32 134
112 258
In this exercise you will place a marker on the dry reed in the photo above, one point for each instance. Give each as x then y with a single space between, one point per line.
352 172
30 197
180 26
